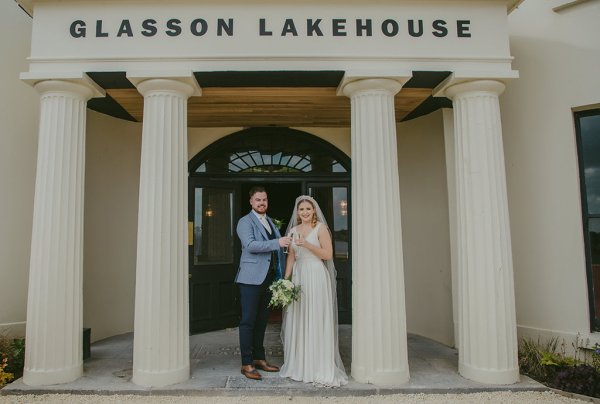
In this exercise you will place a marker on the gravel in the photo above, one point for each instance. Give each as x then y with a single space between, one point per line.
504 397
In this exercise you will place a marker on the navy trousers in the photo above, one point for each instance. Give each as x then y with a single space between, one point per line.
254 300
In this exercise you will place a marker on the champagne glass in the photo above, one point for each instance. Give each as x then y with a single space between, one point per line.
289 234
298 237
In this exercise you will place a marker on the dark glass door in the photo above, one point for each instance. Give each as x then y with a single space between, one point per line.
214 254
335 204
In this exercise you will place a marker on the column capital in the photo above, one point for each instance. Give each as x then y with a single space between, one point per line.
151 86
476 86
181 82
63 82
389 85
79 90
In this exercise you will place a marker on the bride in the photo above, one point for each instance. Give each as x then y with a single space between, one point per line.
309 329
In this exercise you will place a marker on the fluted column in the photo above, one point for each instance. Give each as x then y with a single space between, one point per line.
161 334
379 350
55 298
487 342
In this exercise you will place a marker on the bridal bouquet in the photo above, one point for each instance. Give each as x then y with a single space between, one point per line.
284 292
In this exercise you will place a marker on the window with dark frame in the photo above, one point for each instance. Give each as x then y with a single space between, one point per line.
587 125
267 151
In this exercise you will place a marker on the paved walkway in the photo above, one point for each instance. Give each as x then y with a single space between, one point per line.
215 371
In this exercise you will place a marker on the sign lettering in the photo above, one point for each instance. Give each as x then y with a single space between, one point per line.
287 27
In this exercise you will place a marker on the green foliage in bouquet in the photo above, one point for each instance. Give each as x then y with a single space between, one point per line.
283 293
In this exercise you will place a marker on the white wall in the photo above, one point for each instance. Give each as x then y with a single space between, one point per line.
557 55
425 228
113 148
339 137
18 155
199 139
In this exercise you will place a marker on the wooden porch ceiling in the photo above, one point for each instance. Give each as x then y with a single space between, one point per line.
269 106
269 98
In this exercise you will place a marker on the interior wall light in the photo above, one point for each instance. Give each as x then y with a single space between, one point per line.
343 207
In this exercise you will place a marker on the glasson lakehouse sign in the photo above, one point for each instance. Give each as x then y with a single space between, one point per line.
288 27
225 31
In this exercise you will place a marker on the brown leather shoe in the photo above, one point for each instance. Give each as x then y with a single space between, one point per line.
251 373
263 365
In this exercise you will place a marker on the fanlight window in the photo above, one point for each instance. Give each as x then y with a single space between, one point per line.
270 151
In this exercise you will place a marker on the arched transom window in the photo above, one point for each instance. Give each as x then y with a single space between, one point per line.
270 150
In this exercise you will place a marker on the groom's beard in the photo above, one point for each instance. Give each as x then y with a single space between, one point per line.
262 209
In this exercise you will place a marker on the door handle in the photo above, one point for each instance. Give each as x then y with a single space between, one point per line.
190 233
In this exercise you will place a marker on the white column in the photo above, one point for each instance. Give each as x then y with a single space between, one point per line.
379 350
487 342
54 306
161 334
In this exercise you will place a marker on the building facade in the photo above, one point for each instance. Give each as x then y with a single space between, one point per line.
452 142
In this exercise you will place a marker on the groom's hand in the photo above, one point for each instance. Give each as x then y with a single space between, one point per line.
285 241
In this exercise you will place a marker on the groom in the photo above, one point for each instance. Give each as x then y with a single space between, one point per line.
260 264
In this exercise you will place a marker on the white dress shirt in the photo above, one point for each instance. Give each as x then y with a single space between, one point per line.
263 220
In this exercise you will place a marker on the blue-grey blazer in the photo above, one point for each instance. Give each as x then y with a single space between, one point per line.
256 250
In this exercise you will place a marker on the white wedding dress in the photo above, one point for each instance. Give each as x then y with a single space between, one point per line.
309 329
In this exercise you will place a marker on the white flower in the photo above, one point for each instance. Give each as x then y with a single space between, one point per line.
284 292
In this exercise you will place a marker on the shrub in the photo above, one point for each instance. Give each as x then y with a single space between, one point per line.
596 357
17 361
540 361
546 364
5 377
12 358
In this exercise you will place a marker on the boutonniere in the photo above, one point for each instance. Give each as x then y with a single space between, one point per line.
277 222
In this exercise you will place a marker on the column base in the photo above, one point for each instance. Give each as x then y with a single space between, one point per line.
391 378
489 376
161 379
49 377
